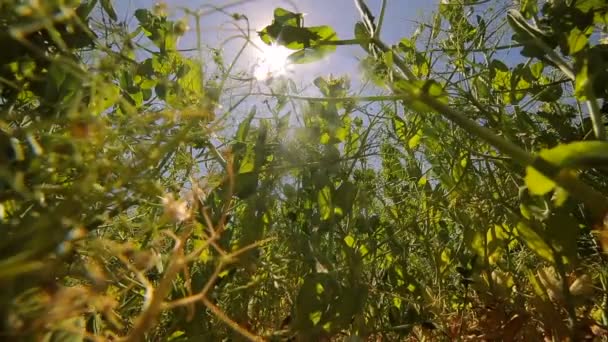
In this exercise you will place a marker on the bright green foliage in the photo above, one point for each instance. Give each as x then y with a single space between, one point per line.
288 29
570 156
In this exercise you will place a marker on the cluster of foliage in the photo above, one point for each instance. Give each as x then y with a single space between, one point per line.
463 203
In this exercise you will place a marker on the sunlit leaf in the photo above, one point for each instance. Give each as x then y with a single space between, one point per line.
414 141
577 40
325 205
416 88
534 241
573 155
350 241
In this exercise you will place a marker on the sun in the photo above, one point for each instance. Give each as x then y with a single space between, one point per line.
272 61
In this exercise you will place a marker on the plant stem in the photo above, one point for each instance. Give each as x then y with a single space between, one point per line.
597 203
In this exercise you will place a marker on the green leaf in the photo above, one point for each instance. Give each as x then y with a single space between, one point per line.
445 259
563 230
577 40
243 130
55 77
85 8
481 86
287 30
550 93
315 317
573 155
159 30
175 335
287 18
422 67
582 81
414 141
345 197
109 9
247 164
529 8
388 59
191 81
399 128
492 242
560 196
436 26
325 205
416 88
534 241
536 69
362 35
107 95
530 36
314 300
245 184
309 55
349 241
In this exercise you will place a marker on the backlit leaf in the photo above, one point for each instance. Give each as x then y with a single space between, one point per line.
573 155
534 241
577 40
325 205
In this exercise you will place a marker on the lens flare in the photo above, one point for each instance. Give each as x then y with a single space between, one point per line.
272 61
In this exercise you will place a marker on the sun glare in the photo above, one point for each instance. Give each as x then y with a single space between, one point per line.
272 61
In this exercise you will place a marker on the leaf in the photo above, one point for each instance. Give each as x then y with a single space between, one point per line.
107 95
577 40
315 317
550 93
481 87
362 35
407 45
313 301
309 55
563 231
287 18
143 16
414 141
55 77
85 8
287 30
191 82
534 241
109 9
529 8
536 69
445 259
530 36
349 241
243 130
414 89
388 59
345 197
582 81
422 67
436 26
176 334
573 155
247 164
399 128
245 184
324 200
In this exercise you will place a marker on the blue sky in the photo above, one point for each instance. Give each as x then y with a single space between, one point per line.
340 14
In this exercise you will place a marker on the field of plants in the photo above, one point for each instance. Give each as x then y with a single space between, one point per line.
151 191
